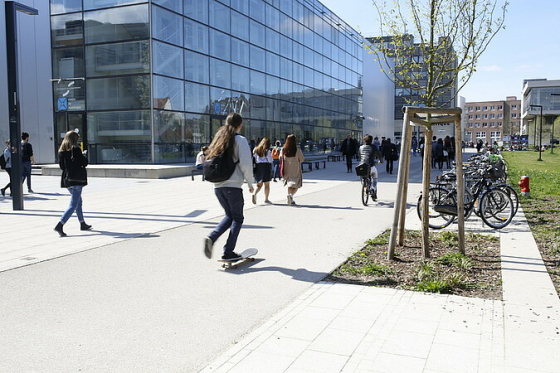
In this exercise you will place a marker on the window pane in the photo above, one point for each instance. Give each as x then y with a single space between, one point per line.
219 101
67 30
197 97
239 52
220 45
220 73
258 83
257 58
219 17
197 67
197 130
65 6
257 34
197 9
108 127
273 40
96 4
68 63
196 36
169 130
167 26
239 26
240 78
118 59
256 10
241 6
272 64
175 5
128 23
168 93
168 60
127 92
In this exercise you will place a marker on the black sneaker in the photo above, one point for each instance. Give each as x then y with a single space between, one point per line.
231 256
208 245
374 194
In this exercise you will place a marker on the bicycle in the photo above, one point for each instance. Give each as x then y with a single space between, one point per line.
368 190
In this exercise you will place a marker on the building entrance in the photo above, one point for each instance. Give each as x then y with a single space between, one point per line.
68 121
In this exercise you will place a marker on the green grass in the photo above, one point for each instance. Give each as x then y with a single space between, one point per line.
544 176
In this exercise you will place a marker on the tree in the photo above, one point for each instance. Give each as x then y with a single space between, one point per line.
452 35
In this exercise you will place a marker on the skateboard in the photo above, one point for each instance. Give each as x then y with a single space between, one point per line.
246 255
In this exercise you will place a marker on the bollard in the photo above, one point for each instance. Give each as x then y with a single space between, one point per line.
524 184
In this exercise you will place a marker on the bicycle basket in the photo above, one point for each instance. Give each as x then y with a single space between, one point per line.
363 170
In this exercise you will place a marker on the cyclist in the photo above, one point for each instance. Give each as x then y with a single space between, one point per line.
369 154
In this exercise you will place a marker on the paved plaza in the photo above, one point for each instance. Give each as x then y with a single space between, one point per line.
136 293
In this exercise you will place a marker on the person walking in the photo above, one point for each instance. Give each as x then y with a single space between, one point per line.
449 147
263 169
8 158
438 153
230 192
348 149
275 152
27 160
291 167
390 153
73 164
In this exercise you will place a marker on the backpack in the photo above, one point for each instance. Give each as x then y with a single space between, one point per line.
219 168
394 154
2 161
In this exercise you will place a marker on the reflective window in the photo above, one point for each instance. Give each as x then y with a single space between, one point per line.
258 83
126 92
241 6
257 34
115 24
65 6
273 40
220 73
286 68
272 17
197 97
239 26
220 101
256 10
272 64
168 93
197 67
239 103
285 47
220 45
167 26
169 128
239 52
272 86
168 60
174 5
240 78
197 129
96 4
67 30
220 17
286 7
197 9
103 126
196 36
258 59
68 63
118 59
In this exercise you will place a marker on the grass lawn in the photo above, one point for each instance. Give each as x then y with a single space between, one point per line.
542 209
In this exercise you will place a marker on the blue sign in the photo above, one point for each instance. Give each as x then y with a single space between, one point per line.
63 103
217 108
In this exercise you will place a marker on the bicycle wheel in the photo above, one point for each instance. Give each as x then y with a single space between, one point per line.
365 190
438 196
496 208
512 193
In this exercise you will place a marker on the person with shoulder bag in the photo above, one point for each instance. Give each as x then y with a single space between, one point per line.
230 143
73 164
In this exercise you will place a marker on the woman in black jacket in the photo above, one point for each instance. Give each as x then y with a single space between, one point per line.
74 177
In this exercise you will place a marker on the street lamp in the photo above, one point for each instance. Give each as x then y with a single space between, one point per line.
540 134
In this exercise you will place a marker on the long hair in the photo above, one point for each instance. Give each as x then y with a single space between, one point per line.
70 140
290 148
263 147
224 139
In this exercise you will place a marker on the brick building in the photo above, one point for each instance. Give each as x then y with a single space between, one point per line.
492 120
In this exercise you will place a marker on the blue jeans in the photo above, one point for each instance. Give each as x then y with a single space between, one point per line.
75 204
231 200
26 173
276 168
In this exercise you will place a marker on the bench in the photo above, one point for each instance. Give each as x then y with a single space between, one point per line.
196 171
333 157
310 161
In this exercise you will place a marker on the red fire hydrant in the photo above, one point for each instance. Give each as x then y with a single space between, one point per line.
524 184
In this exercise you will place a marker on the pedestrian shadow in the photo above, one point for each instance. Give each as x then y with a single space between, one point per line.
322 207
299 274
95 232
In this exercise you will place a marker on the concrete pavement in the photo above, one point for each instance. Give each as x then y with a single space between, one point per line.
137 294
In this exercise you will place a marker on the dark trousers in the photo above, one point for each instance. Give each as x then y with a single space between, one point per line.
26 173
389 166
9 185
349 161
231 200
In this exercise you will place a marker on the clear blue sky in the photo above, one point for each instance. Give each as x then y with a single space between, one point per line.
528 48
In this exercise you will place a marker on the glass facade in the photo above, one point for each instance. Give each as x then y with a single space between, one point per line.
156 78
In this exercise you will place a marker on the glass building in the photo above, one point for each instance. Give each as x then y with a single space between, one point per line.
152 81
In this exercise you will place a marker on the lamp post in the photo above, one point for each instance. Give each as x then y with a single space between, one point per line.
11 10
540 134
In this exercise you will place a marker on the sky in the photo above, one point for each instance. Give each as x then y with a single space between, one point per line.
528 48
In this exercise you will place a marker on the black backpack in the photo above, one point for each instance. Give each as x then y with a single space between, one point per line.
2 161
219 168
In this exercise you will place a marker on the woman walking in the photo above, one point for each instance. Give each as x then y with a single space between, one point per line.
291 167
73 164
8 158
263 168
230 192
